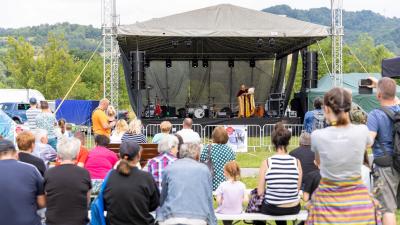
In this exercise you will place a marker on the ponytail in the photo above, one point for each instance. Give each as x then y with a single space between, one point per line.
124 167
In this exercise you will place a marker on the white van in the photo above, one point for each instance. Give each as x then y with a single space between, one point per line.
20 95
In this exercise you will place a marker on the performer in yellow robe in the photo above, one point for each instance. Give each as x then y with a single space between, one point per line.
246 101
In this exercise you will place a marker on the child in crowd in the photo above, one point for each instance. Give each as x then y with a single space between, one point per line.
231 193
111 114
68 130
311 182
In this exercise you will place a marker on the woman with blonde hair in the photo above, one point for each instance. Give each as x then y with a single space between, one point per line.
111 113
134 133
120 128
165 127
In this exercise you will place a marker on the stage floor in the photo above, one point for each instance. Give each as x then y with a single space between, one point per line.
228 121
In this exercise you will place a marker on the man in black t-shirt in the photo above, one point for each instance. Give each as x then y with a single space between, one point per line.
311 183
305 155
21 189
67 187
26 144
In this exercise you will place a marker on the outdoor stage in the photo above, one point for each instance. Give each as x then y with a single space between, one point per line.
228 121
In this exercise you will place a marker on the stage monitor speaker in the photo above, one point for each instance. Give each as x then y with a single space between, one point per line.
138 76
310 69
276 107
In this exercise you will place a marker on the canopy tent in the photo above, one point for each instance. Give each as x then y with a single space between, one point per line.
214 34
367 102
391 67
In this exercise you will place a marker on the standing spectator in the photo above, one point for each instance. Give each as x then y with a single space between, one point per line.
220 153
111 114
100 122
47 121
341 197
130 194
386 178
305 155
21 189
186 196
168 149
134 133
188 134
67 187
120 128
280 178
231 193
165 127
42 149
100 161
314 119
61 130
26 143
31 113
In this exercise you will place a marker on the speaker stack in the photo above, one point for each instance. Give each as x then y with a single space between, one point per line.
310 69
138 76
276 104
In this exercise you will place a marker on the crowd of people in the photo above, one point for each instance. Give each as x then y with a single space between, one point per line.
48 178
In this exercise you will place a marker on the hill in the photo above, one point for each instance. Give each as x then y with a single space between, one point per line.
384 30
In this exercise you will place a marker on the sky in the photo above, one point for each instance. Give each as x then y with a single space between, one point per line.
21 13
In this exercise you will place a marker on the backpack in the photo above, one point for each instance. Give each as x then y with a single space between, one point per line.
395 160
318 120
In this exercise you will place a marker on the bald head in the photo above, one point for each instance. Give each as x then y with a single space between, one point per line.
187 123
386 89
104 104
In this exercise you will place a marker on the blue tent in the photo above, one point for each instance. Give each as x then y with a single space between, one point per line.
7 126
78 112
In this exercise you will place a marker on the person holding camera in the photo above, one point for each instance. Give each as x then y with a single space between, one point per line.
381 126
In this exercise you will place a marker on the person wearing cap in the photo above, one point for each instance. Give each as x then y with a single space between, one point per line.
47 121
305 155
21 189
31 113
67 187
186 196
130 194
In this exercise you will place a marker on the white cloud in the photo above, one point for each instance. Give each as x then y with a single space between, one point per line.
19 13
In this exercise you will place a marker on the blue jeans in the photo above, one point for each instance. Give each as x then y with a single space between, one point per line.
53 143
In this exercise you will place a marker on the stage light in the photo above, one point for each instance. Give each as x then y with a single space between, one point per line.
231 63
252 63
168 63
260 42
147 62
175 43
271 42
188 43
195 63
205 63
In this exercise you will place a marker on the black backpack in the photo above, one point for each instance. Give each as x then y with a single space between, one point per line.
386 160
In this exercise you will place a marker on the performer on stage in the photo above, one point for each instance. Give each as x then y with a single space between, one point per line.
246 101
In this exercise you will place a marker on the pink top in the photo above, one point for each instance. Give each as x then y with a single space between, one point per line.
232 194
100 161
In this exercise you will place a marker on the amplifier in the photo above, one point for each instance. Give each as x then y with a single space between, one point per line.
274 96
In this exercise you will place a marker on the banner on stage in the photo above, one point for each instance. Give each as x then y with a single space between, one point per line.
237 137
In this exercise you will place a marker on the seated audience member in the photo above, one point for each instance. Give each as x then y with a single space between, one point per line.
186 197
100 160
120 128
165 127
67 187
134 132
21 189
130 194
188 134
220 154
305 155
231 193
311 183
83 151
42 149
341 197
280 178
61 130
26 143
168 148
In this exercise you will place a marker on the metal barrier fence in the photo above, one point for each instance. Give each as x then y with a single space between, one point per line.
258 137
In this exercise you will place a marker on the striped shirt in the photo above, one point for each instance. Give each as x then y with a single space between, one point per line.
31 117
157 165
282 180
138 138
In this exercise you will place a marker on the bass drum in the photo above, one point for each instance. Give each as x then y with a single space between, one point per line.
199 113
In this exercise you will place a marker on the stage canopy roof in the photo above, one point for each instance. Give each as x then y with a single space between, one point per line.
219 32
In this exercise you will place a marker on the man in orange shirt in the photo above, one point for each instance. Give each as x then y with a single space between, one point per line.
101 125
